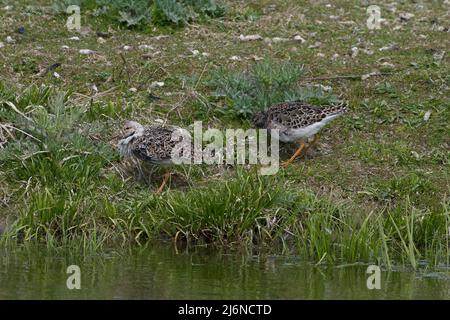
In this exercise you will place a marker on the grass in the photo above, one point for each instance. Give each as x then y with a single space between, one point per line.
375 190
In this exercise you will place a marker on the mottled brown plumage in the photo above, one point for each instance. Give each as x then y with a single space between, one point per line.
151 144
297 120
155 145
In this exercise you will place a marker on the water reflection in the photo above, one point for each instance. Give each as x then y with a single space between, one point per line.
160 272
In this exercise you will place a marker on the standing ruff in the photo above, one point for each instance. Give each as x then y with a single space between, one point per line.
152 144
297 121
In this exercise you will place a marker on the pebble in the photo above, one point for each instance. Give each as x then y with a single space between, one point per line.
145 47
315 45
157 84
405 16
387 65
86 51
251 37
389 47
278 39
299 38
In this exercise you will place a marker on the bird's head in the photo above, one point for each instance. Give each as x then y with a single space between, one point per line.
259 119
131 128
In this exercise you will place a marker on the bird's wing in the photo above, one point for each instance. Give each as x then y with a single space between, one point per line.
154 146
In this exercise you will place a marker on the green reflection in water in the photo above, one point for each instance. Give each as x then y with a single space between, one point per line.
159 272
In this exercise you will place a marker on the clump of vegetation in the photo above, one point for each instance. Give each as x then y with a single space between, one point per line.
265 83
139 13
51 163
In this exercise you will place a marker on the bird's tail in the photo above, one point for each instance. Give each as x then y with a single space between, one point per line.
339 108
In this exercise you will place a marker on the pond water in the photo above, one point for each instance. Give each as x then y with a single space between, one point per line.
161 272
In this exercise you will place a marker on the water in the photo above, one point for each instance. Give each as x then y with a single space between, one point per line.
159 272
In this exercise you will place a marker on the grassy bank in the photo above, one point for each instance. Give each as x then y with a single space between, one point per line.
374 190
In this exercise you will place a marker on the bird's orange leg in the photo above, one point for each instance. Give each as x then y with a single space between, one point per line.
165 179
296 154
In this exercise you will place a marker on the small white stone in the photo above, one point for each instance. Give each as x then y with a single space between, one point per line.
195 52
235 58
205 54
278 39
101 40
133 89
317 44
127 48
320 55
2 44
299 38
74 38
355 52
405 16
389 47
387 65
256 58
145 47
9 39
438 56
368 75
427 115
157 84
86 51
251 37
56 75
415 155
65 47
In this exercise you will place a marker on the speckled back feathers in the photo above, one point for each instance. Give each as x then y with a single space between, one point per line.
295 115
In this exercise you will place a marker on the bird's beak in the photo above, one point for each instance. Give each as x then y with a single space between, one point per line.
114 137
121 136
